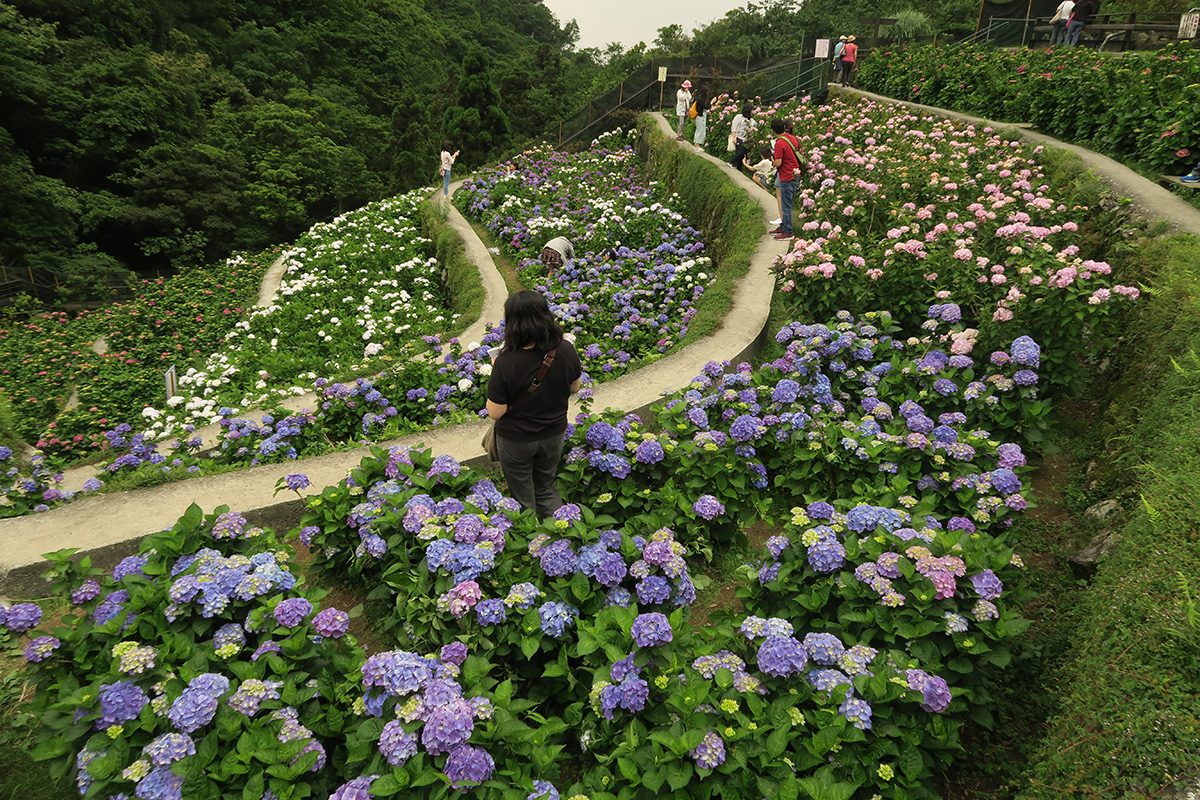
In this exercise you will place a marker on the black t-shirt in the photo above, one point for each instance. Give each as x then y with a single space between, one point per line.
544 413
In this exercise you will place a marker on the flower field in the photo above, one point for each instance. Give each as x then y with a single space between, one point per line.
172 321
928 218
640 266
880 440
1143 105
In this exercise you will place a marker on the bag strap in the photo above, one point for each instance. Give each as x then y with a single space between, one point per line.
541 376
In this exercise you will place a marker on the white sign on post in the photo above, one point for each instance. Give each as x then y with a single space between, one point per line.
662 74
1189 23
172 383
822 48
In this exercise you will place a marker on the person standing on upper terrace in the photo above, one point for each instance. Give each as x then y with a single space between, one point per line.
1058 23
849 62
683 101
1082 15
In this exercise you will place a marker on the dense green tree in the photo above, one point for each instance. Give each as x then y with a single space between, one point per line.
477 124
413 142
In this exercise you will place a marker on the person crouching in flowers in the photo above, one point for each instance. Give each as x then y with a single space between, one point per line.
531 384
556 253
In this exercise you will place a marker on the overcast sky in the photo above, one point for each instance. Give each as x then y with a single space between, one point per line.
633 21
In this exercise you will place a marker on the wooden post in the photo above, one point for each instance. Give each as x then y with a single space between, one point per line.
560 133
621 93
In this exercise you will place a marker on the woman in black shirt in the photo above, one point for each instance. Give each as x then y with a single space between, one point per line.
530 425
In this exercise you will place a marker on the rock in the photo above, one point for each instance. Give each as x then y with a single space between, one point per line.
1102 510
1085 562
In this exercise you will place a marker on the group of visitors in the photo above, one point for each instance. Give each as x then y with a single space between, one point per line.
845 60
1069 20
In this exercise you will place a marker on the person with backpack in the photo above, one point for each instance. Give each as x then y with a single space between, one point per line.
785 158
837 58
699 112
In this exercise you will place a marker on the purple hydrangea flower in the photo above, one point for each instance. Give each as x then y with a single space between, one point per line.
708 507
781 656
468 764
39 649
651 629
556 617
169 747
297 481
292 611
23 616
357 789
558 559
858 711
331 623
120 702
710 753
454 653
653 589
491 612
88 590
396 744
827 555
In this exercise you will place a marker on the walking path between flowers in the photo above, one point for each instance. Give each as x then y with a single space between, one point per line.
108 526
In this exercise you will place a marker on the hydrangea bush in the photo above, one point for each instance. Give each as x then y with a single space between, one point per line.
898 211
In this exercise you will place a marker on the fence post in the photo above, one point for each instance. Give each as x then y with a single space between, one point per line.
560 133
621 93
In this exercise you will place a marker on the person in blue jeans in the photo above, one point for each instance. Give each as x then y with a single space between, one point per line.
1084 9
786 158
446 165
1193 176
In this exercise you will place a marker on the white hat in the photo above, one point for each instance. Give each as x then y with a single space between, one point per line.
843 38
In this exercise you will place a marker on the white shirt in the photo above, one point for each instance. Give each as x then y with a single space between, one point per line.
1063 11
683 99
740 124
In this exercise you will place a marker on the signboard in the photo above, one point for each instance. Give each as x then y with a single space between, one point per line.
822 49
1189 23
662 74
172 383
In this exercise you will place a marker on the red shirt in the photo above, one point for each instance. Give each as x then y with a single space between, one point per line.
850 53
786 147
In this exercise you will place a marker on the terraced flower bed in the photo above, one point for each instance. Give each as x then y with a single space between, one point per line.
908 213
640 267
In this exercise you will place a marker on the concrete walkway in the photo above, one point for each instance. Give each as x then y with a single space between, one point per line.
108 526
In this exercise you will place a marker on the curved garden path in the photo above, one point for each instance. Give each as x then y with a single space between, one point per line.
110 525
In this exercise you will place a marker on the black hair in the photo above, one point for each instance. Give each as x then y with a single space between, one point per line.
788 125
765 151
527 320
446 146
747 109
777 125
701 99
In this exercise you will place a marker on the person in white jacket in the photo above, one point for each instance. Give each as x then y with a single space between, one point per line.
683 101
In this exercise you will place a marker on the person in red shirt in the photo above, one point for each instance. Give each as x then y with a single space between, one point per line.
849 62
786 158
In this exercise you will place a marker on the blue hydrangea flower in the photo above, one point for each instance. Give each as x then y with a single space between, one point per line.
651 629
556 617
781 656
710 753
468 764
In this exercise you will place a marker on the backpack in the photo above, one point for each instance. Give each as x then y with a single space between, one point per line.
692 112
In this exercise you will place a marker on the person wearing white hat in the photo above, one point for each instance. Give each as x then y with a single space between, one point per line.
683 100
837 57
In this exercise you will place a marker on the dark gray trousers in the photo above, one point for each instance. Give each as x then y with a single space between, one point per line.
530 468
